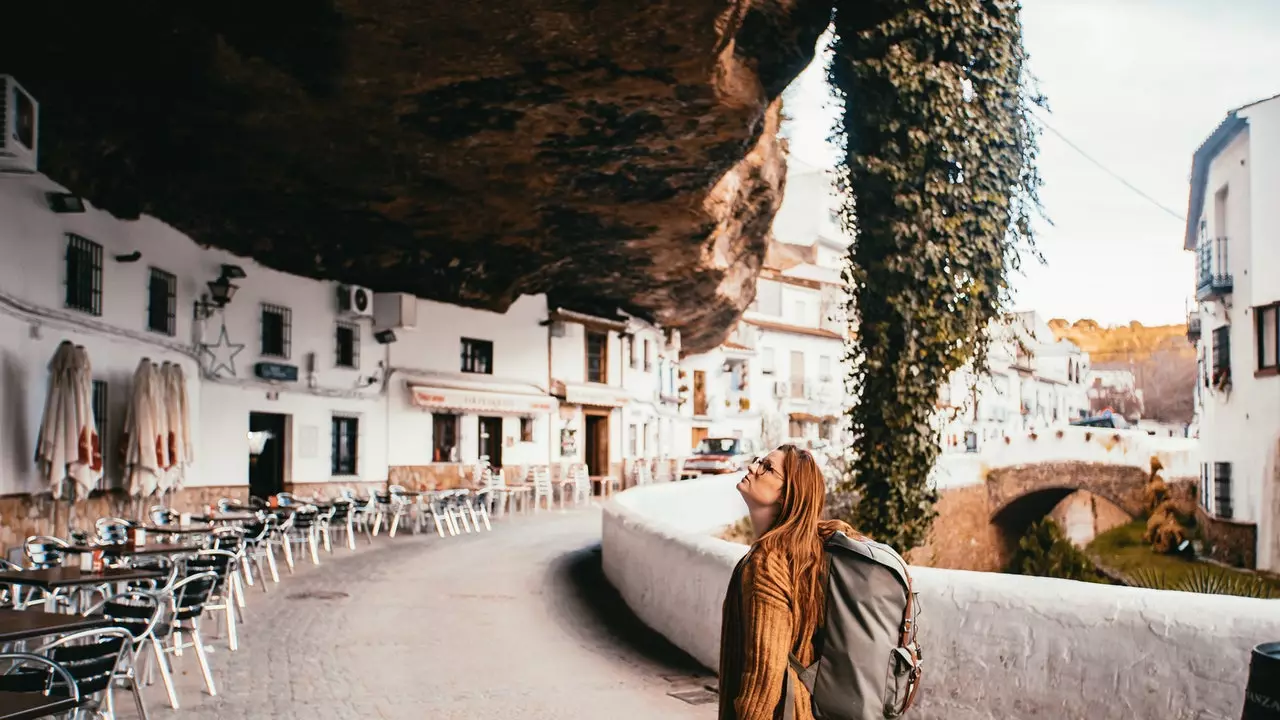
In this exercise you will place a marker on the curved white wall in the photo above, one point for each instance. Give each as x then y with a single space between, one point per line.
995 646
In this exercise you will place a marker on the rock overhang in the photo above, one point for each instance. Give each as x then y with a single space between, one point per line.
605 153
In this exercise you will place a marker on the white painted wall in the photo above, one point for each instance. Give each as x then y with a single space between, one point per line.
1242 426
32 292
434 351
995 646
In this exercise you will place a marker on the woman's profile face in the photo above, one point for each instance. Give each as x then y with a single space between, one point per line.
762 486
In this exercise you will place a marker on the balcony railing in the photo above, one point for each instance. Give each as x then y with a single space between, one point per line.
1193 328
1213 279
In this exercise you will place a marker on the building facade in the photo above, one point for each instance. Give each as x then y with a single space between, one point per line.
1032 381
1232 226
283 386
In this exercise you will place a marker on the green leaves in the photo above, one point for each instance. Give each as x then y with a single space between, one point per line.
941 186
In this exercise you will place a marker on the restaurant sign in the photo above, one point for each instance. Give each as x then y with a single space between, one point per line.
603 396
276 371
428 397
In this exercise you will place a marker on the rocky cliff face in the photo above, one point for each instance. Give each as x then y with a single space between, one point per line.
606 152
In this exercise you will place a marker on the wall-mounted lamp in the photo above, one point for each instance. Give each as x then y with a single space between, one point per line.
132 257
65 202
221 291
384 337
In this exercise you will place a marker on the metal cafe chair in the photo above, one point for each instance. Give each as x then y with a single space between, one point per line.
45 681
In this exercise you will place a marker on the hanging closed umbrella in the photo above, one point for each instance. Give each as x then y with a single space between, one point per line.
176 426
141 438
68 447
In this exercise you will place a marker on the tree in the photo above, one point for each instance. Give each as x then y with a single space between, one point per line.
1168 382
941 187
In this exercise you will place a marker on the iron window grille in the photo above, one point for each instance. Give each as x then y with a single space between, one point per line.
277 330
1222 490
162 302
347 353
346 432
84 275
98 401
477 356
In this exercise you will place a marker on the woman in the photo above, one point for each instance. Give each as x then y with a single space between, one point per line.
777 592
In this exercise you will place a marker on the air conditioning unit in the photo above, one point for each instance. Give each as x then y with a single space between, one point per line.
354 300
780 389
395 311
20 121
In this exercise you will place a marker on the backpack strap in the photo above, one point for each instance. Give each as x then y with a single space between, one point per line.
806 675
906 642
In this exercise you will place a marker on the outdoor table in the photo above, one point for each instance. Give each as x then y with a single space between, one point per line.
51 579
65 577
18 625
178 529
607 484
226 517
29 706
130 550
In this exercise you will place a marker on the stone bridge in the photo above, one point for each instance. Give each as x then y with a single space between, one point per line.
986 502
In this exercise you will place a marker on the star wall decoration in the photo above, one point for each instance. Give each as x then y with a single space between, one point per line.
222 354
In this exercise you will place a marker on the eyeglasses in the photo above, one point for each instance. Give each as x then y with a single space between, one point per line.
761 466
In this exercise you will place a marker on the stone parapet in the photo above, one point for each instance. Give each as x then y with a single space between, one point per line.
1001 646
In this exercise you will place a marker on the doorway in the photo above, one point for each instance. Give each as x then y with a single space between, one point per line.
698 435
699 392
597 443
268 433
491 440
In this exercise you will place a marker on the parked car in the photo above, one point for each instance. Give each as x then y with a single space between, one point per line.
717 456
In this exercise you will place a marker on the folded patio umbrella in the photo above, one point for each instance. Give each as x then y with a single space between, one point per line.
178 426
144 441
68 447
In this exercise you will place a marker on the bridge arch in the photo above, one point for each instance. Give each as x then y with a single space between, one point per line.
1022 494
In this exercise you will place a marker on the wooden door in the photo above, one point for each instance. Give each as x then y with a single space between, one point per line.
699 392
699 434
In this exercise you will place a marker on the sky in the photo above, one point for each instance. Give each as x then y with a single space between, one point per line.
1137 85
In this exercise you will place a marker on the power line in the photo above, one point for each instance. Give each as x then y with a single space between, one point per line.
1109 171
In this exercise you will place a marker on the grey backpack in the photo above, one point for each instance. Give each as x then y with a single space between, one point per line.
866 659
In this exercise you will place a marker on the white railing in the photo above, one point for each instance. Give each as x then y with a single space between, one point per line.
995 645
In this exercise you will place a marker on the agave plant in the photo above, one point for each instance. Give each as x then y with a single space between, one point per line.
1204 579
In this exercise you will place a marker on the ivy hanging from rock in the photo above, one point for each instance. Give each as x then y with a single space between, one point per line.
940 186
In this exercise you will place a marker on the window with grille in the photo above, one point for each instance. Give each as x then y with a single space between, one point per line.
444 438
1206 487
477 356
346 432
597 342
1268 338
1222 348
635 353
1222 490
162 301
99 404
347 352
84 275
277 330
648 358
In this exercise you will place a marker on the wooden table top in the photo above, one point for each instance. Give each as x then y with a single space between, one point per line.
73 576
26 624
148 549
179 530
227 517
29 706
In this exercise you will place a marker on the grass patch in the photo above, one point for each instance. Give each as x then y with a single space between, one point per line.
1122 550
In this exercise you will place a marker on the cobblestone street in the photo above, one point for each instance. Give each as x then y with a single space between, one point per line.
498 625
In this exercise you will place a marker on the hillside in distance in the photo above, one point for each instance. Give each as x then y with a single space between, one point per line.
1163 362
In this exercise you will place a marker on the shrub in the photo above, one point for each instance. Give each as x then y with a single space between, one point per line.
1045 551
1203 579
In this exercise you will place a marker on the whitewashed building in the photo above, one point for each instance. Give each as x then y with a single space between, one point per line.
1233 226
470 386
280 359
1032 381
653 426
588 362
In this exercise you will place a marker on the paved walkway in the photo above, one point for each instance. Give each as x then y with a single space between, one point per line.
516 623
